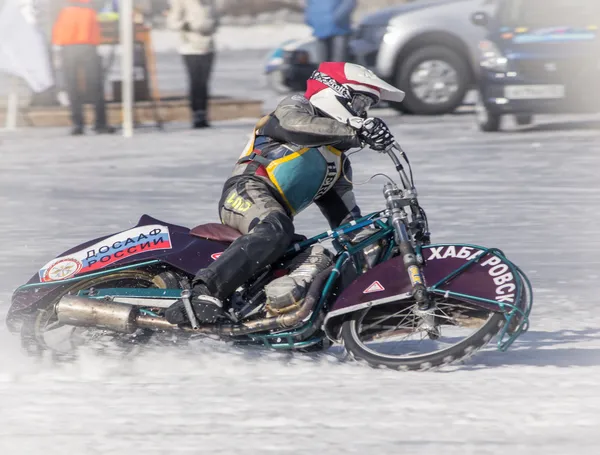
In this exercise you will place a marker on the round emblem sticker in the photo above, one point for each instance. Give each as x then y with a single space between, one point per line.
63 269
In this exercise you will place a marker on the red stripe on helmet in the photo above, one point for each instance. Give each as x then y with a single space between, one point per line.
336 70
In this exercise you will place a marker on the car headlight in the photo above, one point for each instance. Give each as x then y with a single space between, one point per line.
491 57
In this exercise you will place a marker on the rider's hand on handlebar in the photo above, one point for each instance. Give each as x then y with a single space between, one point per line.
376 134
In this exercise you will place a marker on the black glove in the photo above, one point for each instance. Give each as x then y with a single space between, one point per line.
376 134
186 27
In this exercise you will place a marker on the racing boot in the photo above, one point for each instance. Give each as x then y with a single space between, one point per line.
208 309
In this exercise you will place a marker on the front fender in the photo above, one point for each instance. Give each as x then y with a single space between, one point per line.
474 274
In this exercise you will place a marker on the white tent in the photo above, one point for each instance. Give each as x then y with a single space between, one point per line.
22 54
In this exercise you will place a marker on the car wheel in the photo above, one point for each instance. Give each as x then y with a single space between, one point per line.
524 119
435 79
486 120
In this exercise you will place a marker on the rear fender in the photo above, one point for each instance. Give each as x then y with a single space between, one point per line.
150 242
480 276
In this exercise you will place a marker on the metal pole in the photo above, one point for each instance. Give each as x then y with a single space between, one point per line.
126 23
12 107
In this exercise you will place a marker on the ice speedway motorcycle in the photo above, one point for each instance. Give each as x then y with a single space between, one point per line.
413 305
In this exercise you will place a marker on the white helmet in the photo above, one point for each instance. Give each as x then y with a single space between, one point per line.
345 90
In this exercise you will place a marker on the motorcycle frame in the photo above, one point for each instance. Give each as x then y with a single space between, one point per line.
345 250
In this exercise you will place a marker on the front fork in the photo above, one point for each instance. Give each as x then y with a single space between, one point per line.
396 201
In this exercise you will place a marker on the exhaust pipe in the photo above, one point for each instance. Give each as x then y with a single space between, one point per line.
84 312
102 314
124 318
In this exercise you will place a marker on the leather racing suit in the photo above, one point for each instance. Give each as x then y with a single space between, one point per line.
295 157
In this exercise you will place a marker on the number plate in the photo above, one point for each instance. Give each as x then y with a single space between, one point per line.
534 92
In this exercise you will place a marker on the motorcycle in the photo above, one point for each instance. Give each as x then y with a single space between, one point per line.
392 298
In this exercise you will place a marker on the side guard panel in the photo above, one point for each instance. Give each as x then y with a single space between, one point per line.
490 278
149 240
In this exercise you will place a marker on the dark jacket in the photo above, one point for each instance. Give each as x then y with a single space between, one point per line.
329 17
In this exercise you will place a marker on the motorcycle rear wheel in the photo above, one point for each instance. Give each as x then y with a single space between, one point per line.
36 336
353 334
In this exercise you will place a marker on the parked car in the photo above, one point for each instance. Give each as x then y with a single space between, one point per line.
428 48
290 65
539 56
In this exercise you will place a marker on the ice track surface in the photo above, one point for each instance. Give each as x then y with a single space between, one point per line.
533 193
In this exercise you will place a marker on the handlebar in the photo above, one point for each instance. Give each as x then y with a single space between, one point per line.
407 194
407 183
411 232
391 152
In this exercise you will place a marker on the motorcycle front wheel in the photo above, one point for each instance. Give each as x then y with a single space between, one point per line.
405 338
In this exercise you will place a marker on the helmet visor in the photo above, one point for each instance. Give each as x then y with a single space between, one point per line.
361 103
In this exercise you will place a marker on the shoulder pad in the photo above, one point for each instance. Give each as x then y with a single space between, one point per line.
300 99
296 102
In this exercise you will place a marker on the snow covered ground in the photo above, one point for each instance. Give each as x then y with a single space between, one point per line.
533 193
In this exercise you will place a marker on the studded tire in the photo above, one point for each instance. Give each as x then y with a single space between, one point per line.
451 355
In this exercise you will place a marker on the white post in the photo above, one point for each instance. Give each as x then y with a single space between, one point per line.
12 107
126 23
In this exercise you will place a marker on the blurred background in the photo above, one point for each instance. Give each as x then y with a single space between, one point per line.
442 53
501 125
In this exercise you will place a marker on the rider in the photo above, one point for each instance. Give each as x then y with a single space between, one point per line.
295 157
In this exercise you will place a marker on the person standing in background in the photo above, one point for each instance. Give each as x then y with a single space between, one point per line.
197 22
331 21
77 31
